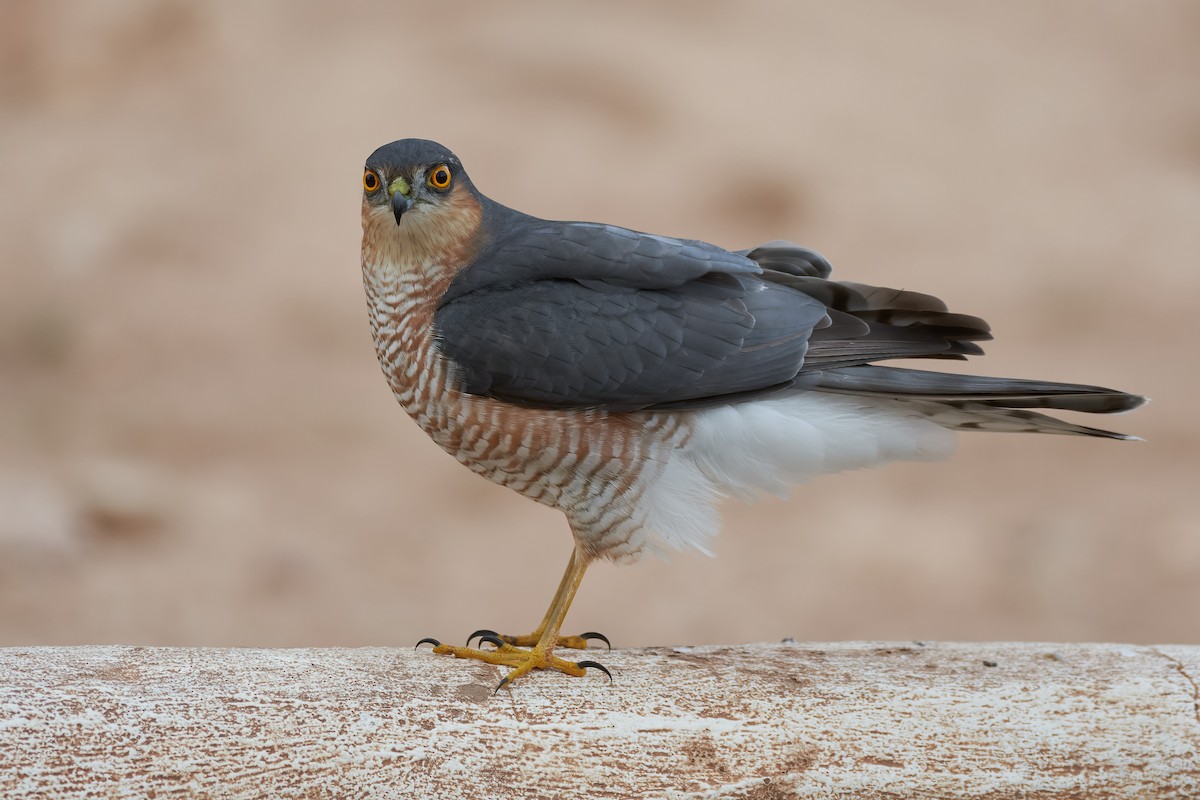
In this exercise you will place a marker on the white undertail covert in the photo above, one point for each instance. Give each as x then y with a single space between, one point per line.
771 444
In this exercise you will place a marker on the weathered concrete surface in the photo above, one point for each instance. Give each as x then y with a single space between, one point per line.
760 721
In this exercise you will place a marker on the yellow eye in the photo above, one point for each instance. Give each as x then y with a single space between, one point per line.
370 181
440 177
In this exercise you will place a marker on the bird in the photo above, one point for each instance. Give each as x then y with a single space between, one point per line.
633 381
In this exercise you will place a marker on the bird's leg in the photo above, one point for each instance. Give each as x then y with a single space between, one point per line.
541 656
579 642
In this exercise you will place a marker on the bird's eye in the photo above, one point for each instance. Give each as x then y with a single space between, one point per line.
370 181
440 177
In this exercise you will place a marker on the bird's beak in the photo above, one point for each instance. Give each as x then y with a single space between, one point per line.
400 204
399 190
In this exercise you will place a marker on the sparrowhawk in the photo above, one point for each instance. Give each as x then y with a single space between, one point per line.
633 380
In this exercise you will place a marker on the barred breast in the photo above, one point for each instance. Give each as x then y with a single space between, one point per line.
595 466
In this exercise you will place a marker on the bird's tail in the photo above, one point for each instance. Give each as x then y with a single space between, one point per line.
971 402
839 419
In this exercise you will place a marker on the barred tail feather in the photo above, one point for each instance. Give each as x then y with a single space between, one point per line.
980 403
980 416
916 384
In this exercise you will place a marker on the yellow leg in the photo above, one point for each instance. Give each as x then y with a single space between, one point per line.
542 655
579 642
534 637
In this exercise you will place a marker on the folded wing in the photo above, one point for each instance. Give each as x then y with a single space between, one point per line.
579 315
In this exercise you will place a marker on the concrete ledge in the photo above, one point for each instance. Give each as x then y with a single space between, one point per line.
870 720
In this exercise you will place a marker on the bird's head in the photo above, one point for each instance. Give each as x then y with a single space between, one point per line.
416 192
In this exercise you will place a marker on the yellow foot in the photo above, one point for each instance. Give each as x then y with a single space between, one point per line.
522 661
579 642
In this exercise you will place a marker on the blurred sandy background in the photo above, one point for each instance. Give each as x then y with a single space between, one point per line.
196 444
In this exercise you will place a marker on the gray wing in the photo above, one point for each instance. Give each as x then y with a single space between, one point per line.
562 343
575 315
525 249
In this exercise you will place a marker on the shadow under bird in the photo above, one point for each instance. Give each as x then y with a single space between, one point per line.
633 380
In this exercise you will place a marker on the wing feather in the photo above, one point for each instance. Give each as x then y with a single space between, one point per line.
575 315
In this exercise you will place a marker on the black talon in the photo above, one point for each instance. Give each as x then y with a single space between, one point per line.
595 635
592 665
501 685
427 640
496 640
481 632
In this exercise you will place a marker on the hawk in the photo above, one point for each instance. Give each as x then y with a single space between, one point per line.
632 380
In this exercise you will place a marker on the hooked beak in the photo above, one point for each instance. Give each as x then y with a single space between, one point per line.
400 204
399 191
